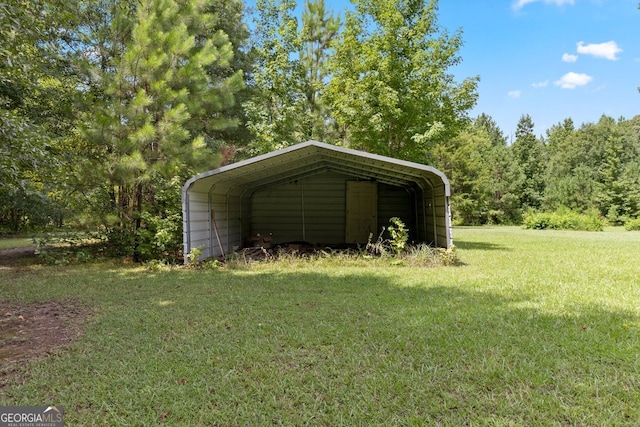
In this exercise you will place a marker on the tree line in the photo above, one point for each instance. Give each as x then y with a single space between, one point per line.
108 106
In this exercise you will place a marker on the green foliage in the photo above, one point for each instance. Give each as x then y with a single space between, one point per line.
160 232
28 210
69 247
483 175
562 220
289 75
530 155
164 96
193 257
389 91
320 30
276 113
595 166
36 91
399 235
160 237
632 225
395 244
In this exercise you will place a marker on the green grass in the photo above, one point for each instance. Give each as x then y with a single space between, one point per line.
536 328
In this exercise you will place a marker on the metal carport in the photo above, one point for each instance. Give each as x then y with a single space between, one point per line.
299 194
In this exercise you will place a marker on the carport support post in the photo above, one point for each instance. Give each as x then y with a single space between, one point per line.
304 227
215 229
435 219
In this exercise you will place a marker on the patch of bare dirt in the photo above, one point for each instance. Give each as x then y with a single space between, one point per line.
32 330
18 257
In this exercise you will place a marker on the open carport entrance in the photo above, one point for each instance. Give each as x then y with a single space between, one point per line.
317 193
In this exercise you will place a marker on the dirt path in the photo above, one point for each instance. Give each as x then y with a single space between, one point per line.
12 256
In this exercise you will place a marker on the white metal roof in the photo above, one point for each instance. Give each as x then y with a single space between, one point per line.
311 157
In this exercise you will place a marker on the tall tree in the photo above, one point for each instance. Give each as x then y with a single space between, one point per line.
619 186
320 28
231 19
276 113
495 134
529 153
463 159
161 105
484 179
390 91
35 110
505 176
570 175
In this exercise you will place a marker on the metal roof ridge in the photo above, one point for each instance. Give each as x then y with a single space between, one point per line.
322 146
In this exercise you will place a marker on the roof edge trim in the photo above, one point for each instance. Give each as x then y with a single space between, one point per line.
321 145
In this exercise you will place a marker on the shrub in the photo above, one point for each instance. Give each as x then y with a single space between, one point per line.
562 220
633 225
70 247
399 235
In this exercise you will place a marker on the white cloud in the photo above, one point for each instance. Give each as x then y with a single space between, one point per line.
514 94
567 57
573 80
607 50
519 4
540 84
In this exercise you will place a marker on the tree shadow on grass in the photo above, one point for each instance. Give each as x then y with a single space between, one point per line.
444 354
483 246
490 356
346 348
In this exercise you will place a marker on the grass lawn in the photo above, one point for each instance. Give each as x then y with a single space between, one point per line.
536 328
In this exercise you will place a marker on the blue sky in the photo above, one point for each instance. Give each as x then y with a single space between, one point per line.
551 59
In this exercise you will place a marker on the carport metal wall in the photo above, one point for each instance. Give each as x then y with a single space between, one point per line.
217 204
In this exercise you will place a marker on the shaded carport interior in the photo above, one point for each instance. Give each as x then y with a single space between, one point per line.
299 194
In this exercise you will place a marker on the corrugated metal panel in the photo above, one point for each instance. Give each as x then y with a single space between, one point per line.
324 204
234 223
310 209
195 214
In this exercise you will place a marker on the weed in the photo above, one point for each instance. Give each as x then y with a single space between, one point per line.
399 235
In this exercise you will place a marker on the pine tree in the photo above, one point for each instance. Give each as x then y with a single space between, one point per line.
505 176
320 28
618 187
529 153
161 105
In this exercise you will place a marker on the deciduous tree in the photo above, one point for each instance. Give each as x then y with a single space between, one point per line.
390 91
